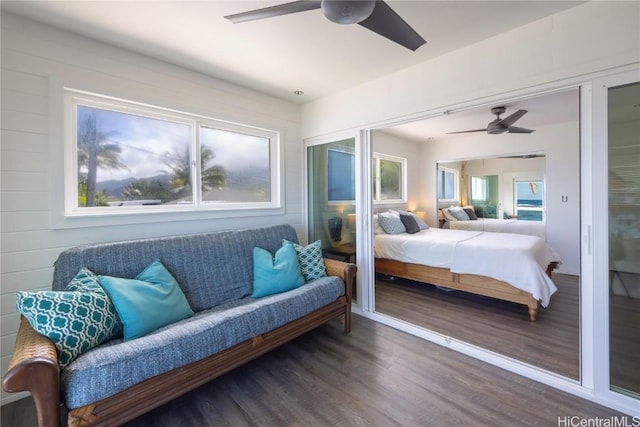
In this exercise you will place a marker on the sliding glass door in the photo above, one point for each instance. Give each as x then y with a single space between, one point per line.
331 198
623 149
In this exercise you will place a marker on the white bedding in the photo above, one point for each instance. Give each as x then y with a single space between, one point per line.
517 259
531 228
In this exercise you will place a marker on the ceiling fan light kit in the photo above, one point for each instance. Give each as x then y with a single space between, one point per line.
347 12
374 15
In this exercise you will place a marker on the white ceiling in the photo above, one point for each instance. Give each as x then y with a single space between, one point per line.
542 110
302 51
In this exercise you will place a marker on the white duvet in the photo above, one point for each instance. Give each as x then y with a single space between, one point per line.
531 228
517 259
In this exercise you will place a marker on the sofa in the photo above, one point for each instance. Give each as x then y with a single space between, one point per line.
120 379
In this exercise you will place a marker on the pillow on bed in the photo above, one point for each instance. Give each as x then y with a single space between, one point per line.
423 225
447 216
458 213
391 223
377 229
409 223
471 213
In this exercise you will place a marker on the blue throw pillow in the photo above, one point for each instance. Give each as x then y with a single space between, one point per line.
273 275
76 319
150 301
310 259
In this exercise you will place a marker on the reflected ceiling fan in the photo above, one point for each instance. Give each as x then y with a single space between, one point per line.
375 15
523 156
499 125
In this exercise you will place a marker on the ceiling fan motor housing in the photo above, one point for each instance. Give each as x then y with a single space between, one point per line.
347 12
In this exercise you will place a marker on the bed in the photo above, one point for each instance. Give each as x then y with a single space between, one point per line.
530 228
510 267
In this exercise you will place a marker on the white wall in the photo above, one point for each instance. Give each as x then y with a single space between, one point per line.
37 61
588 38
385 143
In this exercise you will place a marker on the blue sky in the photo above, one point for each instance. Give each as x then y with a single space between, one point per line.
524 191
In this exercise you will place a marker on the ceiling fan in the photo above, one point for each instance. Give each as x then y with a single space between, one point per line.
499 125
375 15
523 156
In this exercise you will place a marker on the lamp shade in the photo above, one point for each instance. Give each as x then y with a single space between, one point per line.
422 215
347 12
351 221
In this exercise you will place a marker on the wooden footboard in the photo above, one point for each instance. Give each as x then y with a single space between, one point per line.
479 285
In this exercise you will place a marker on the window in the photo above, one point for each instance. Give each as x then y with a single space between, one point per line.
341 176
530 200
389 177
448 184
125 157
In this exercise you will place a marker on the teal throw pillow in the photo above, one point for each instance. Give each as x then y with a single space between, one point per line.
76 319
275 274
150 301
310 259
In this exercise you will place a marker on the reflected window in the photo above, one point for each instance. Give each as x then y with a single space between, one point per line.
448 184
341 181
529 200
389 176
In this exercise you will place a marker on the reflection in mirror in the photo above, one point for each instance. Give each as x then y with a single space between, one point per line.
331 198
624 239
503 200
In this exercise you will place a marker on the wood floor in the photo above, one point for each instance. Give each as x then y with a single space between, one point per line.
375 376
552 342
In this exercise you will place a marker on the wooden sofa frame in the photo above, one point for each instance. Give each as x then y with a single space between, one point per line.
479 285
34 367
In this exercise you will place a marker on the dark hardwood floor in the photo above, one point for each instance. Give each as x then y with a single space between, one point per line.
552 342
375 376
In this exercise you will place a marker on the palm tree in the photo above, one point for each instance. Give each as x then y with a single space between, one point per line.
95 151
212 177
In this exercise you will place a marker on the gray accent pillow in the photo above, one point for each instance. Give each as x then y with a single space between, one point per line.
471 213
423 225
459 214
409 223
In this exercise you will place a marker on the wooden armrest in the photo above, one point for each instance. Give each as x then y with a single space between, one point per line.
344 270
34 368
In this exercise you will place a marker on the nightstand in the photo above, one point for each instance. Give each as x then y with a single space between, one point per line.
344 252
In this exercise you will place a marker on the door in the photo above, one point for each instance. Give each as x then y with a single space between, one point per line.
623 149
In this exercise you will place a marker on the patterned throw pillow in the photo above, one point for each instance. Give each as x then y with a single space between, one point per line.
76 319
391 223
310 259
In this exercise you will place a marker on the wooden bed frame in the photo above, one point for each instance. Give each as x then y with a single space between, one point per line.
480 285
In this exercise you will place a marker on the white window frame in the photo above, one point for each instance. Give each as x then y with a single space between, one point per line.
542 207
377 157
73 98
456 185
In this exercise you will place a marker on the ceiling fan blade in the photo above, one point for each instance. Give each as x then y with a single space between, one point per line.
508 121
514 129
467 131
386 22
277 10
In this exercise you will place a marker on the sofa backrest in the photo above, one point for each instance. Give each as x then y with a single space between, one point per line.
211 268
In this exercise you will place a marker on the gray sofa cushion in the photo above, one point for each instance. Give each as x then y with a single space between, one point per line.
211 268
117 365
